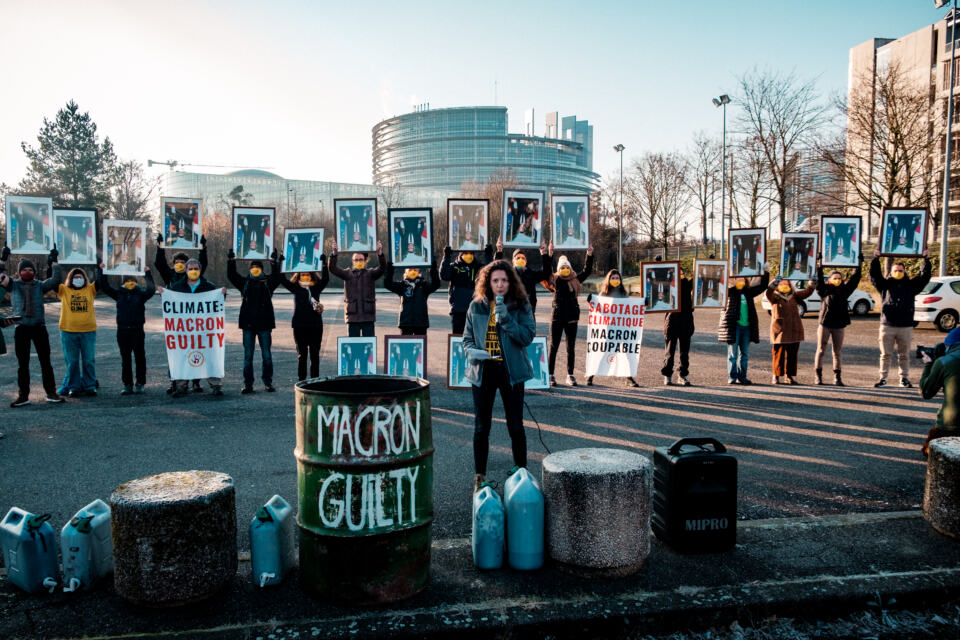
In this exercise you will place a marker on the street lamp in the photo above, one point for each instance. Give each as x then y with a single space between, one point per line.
723 101
945 220
619 149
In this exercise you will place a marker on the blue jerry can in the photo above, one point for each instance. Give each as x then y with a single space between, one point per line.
271 542
488 528
86 547
524 505
29 550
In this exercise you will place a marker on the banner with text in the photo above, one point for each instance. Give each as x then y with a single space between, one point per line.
614 333
193 329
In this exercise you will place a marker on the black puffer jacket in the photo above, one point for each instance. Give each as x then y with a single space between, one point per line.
530 277
835 301
896 307
461 277
256 309
304 315
727 331
680 323
413 296
130 302
566 305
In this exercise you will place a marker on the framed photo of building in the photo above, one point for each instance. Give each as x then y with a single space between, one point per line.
411 237
302 249
29 222
124 250
570 221
710 283
253 232
842 240
356 356
74 235
798 256
181 221
468 220
537 352
746 252
521 223
903 232
405 356
661 286
355 224
456 363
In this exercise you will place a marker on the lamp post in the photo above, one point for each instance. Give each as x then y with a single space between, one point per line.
723 101
945 220
619 149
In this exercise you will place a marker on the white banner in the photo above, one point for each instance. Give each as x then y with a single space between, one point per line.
193 329
614 333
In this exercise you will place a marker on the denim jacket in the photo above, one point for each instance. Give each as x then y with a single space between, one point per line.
516 331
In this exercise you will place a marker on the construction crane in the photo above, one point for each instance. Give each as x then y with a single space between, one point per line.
173 164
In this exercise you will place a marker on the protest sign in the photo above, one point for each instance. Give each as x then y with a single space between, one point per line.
614 333
194 333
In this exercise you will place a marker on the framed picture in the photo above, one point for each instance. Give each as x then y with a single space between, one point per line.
411 237
798 256
181 221
456 363
29 223
356 356
841 240
569 221
405 356
710 283
355 224
74 235
253 232
521 223
124 247
467 224
302 249
537 352
746 252
903 232
661 286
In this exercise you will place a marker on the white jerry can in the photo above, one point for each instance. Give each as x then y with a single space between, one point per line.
29 550
271 542
86 547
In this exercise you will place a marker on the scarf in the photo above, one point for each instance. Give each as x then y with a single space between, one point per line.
572 281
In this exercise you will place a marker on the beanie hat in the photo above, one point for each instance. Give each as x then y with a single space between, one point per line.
518 252
180 256
256 263
26 264
952 338
563 262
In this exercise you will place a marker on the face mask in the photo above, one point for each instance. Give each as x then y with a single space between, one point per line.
411 274
468 258
614 282
193 274
306 283
78 282
897 275
784 289
739 285
565 272
358 264
130 284
26 276
520 263
256 271
835 282
179 267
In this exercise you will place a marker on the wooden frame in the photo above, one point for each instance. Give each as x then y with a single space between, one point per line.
755 254
250 228
411 246
899 228
29 215
77 243
838 243
559 230
311 249
369 357
513 222
802 249
665 296
118 238
454 339
706 272
477 228
413 361
173 214
540 363
355 215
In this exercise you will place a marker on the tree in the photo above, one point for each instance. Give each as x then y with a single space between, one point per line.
703 165
69 163
659 191
132 193
749 182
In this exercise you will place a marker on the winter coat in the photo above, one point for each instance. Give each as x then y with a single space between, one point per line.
944 372
461 277
727 331
516 331
256 307
359 291
183 286
530 277
786 326
834 301
168 274
304 315
3 343
680 323
566 305
413 296
896 308
15 287
130 302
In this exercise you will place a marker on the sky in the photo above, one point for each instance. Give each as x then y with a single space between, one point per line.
296 87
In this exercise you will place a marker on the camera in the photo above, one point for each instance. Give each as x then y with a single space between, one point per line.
934 352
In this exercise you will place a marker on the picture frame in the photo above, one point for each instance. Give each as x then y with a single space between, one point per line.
798 256
29 224
537 353
356 356
74 234
903 231
661 286
124 247
570 221
710 284
181 222
746 252
842 238
456 363
355 224
468 220
253 232
405 356
521 223
302 249
411 236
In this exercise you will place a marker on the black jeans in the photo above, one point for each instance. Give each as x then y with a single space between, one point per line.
669 347
250 338
360 329
493 378
308 345
458 321
557 331
130 340
413 331
22 337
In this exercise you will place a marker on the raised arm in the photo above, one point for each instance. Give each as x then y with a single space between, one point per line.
854 280
806 293
377 271
324 276
104 285
876 275
151 285
202 258
335 269
434 283
388 282
923 279
587 268
160 261
232 274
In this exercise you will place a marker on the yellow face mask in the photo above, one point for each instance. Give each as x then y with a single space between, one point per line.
468 258
739 285
193 274
897 275
411 274
179 267
256 271
835 281
130 284
520 262
614 282
359 264
564 272
306 282
784 288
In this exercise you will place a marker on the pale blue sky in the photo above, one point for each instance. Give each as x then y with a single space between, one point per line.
297 86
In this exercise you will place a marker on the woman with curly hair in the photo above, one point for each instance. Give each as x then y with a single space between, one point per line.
612 286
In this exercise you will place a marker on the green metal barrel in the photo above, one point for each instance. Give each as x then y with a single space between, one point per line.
365 487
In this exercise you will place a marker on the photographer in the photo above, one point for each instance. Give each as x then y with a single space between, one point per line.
941 370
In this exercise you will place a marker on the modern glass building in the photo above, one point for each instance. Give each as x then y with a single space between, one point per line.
444 148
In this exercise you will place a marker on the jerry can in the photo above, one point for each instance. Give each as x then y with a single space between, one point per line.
271 542
488 528
29 550
524 507
86 547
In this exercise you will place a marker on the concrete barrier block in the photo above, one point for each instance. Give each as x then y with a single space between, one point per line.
941 497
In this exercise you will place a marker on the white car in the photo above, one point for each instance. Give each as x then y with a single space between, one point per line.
860 303
939 303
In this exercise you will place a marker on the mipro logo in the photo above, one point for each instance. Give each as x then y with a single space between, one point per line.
707 524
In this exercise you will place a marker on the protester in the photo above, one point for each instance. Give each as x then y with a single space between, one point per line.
678 330
78 334
414 319
359 292
461 274
531 275
786 326
307 321
131 316
499 326
256 318
943 373
739 325
4 322
612 286
896 313
834 317
566 310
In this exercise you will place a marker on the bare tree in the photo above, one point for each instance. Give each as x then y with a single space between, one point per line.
132 193
703 167
660 194
750 182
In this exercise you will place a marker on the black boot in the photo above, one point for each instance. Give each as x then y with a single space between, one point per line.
819 376
836 378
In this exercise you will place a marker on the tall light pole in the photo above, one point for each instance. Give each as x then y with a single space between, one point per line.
619 149
945 220
723 101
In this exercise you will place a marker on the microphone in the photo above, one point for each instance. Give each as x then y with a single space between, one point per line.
499 301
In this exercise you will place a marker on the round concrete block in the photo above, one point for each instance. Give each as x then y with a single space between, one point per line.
941 498
174 537
598 510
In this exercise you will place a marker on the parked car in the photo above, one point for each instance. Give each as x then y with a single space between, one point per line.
860 303
939 303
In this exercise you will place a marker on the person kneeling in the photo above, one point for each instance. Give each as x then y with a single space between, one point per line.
943 372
